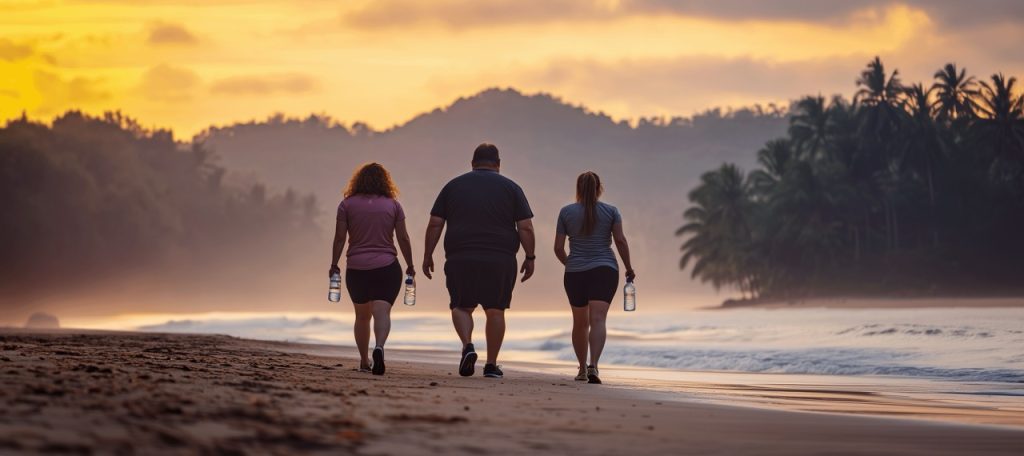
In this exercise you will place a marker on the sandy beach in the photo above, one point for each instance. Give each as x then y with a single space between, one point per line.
77 392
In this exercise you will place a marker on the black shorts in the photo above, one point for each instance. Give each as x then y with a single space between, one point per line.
484 281
381 284
598 284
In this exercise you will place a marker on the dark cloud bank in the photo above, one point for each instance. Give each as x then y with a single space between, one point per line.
473 14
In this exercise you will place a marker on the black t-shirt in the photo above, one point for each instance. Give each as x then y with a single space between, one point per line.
481 209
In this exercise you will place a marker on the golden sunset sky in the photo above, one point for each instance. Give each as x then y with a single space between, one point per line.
189 64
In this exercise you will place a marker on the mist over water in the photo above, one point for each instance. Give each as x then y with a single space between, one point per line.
963 345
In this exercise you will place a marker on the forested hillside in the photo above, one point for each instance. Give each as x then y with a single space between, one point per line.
907 189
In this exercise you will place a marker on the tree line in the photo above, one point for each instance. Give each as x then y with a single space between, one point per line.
87 197
908 189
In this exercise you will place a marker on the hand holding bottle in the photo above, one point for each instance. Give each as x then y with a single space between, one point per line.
629 293
410 290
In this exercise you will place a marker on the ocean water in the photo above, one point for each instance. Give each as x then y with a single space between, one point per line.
953 344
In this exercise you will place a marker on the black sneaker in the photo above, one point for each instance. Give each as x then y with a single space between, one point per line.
592 375
468 363
378 361
493 371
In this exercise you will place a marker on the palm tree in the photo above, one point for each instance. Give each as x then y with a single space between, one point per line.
807 219
808 126
775 158
882 113
879 94
720 230
1001 124
955 93
920 147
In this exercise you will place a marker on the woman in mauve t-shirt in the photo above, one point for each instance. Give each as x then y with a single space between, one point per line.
369 217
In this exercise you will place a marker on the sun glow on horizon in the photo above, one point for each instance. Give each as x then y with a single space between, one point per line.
187 66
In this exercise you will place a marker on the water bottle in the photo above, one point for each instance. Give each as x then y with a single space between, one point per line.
334 294
410 291
629 296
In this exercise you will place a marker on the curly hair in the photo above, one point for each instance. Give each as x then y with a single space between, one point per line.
371 179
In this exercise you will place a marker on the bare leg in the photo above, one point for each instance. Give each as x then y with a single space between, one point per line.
362 331
598 332
381 321
495 333
463 321
580 333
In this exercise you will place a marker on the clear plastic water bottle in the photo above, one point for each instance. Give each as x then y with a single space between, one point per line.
629 296
334 294
410 291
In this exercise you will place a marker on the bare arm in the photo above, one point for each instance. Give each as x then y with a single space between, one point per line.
560 248
405 245
529 240
340 234
434 229
623 248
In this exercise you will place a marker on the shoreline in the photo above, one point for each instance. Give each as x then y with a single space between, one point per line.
877 396
872 302
87 391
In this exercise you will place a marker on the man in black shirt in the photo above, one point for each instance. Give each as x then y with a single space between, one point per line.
488 218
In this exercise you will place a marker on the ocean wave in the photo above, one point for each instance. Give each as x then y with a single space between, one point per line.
915 330
812 361
553 345
960 347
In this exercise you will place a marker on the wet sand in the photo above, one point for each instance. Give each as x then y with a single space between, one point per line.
876 303
87 392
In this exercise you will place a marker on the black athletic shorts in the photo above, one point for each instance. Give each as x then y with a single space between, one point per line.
598 284
381 284
484 281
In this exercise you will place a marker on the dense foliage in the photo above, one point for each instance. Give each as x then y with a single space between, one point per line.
905 189
88 196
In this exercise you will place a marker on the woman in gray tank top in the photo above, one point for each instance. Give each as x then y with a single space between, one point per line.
591 270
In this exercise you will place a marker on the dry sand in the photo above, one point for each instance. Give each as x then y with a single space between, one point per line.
129 393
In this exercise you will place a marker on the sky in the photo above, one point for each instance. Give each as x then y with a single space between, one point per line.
187 65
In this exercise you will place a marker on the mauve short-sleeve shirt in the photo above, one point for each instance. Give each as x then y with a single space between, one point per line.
371 223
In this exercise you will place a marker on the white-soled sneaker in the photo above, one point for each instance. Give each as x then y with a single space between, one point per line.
582 375
493 371
592 375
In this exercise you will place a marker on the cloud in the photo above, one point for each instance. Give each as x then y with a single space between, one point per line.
472 14
949 13
60 93
11 51
162 33
681 85
9 93
959 13
801 10
291 83
476 14
168 83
